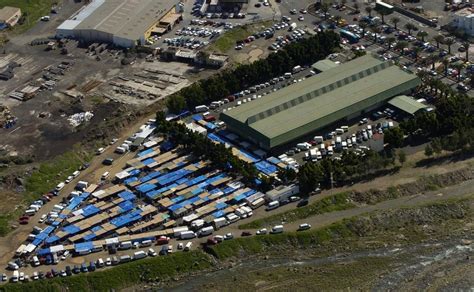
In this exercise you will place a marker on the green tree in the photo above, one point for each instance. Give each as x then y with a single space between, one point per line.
466 46
439 39
429 150
422 34
437 146
368 9
449 42
394 137
310 176
363 25
395 20
409 26
176 103
402 157
325 9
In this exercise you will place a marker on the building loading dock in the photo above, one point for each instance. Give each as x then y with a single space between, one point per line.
344 92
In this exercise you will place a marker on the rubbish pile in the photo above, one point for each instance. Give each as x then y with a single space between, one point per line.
7 120
79 118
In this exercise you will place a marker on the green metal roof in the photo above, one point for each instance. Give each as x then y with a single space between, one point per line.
320 100
324 65
406 104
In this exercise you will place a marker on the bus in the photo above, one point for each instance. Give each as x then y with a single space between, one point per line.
351 37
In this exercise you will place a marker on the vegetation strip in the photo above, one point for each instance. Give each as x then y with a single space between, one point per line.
126 275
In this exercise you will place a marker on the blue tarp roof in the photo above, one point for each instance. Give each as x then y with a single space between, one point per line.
145 152
90 210
150 176
126 219
216 138
266 167
83 246
52 239
197 117
126 206
146 187
129 180
71 229
76 201
167 146
127 195
148 161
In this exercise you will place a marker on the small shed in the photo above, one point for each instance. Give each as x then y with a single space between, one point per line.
407 104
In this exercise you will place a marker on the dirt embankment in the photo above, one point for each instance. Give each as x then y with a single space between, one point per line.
424 184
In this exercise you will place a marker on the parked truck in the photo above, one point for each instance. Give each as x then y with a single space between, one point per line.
219 222
277 229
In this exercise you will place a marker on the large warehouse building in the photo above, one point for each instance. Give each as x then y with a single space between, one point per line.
124 23
343 92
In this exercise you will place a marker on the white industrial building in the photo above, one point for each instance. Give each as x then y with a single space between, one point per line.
464 19
124 23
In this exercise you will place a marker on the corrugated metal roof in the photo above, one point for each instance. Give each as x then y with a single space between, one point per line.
406 104
320 100
127 19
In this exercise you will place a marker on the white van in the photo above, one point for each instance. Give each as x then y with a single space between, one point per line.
339 131
139 255
345 128
15 276
188 246
105 175
287 75
273 205
60 186
76 173
100 150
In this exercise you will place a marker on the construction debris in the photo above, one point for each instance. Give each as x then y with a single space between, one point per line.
7 120
79 118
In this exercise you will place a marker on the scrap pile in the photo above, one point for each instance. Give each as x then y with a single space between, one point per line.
7 120
79 118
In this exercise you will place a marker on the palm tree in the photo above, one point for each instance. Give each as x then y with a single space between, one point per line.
422 34
417 51
458 67
439 39
401 46
446 66
325 9
376 30
390 41
449 42
395 20
466 45
368 9
363 25
382 13
433 58
409 27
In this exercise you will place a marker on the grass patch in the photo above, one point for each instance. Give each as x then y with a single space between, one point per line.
126 275
228 40
357 274
50 173
336 202
32 10
386 225
44 179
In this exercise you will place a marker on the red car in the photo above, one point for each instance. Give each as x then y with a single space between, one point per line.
24 217
23 222
231 98
163 240
209 118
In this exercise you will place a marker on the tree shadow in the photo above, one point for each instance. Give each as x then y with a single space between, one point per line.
451 158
